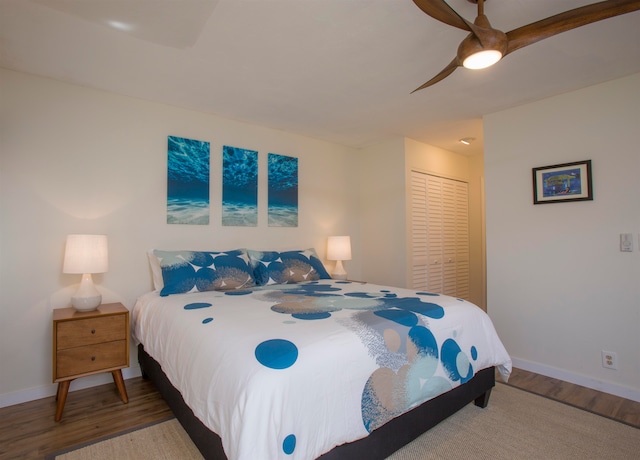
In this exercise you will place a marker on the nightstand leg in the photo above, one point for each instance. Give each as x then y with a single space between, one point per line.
63 389
117 378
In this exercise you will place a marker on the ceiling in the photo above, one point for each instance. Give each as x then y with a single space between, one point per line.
337 70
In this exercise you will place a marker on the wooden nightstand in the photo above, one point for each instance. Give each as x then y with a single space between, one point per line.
87 343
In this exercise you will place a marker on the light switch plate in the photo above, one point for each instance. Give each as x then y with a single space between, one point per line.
626 242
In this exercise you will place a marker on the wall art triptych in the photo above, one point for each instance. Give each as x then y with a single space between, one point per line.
283 191
188 183
239 187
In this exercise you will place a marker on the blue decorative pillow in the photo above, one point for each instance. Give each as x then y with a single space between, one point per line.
271 267
192 271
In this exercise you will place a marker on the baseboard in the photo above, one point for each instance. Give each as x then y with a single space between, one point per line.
577 379
46 391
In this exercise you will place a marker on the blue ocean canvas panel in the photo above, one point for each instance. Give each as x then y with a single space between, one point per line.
283 191
239 187
188 181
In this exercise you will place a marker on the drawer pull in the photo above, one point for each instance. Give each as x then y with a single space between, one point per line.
93 331
93 358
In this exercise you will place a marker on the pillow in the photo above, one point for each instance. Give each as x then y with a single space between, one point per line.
156 271
192 271
271 267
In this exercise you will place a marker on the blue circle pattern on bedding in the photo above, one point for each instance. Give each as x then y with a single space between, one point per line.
393 329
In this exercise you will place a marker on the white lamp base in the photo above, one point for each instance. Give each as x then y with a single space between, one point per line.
339 272
87 298
86 303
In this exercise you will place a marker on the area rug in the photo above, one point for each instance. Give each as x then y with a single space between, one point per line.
515 425
165 440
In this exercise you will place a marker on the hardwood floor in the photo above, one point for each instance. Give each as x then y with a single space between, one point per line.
28 431
610 406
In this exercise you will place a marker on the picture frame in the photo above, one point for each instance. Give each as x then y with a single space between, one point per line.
562 183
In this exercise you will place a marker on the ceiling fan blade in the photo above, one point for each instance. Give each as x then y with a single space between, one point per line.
448 70
553 25
440 10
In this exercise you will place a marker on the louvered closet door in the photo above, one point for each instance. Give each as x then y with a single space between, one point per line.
462 240
440 235
419 232
435 240
448 220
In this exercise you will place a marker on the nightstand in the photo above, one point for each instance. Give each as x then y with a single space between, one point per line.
88 343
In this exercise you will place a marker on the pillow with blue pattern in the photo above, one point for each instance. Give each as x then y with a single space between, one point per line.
271 267
193 271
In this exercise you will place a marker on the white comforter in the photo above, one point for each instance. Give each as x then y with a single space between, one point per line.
291 371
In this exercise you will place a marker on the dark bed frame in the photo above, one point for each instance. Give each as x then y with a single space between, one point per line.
381 443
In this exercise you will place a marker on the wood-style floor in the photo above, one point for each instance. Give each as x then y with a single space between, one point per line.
28 431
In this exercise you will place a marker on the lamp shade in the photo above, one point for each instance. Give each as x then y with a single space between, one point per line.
86 254
339 248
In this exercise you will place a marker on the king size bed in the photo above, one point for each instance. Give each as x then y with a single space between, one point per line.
262 356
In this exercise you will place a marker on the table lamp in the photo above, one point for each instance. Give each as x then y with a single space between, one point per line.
84 255
339 249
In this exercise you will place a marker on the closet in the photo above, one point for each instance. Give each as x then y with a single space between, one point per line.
440 235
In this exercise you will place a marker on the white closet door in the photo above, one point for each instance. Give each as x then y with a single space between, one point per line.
419 232
440 235
462 240
435 235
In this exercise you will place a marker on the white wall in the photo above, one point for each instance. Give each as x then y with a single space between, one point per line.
382 212
77 160
559 289
477 247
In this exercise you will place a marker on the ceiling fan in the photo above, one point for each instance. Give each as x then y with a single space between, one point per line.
484 46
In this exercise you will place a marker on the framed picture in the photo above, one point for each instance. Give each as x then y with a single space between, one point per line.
564 182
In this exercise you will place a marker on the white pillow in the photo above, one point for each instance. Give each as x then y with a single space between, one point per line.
156 271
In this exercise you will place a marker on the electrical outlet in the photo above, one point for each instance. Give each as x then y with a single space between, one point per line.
609 359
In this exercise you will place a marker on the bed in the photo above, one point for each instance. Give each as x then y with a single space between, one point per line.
262 355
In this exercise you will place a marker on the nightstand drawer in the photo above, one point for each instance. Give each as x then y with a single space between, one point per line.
90 331
91 358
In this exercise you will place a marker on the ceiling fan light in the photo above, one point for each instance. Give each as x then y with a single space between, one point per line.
482 59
